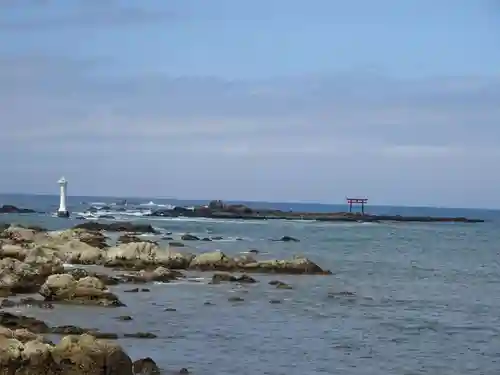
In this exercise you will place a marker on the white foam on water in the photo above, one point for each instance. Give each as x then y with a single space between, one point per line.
150 203
206 220
98 203
184 282
153 204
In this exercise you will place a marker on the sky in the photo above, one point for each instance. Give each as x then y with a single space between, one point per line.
269 100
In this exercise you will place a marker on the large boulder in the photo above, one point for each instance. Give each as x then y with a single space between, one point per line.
139 255
160 274
77 252
28 276
22 235
213 260
86 291
92 238
218 261
21 334
9 250
73 355
80 273
46 260
145 366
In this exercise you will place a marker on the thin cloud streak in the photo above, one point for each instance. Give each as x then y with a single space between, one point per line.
100 15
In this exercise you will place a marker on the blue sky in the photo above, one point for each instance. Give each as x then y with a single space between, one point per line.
263 100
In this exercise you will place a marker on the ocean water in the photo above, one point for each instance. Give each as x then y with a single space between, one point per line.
425 297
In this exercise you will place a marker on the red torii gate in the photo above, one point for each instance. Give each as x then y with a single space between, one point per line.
361 201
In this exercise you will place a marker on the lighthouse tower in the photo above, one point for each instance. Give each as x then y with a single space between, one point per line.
62 211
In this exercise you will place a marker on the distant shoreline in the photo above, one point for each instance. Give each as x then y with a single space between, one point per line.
221 210
243 201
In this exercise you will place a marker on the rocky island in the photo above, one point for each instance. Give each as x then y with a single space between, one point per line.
219 210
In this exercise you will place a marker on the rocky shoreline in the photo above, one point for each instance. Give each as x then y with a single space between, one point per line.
221 210
35 261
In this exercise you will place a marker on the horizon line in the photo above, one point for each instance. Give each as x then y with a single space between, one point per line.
257 201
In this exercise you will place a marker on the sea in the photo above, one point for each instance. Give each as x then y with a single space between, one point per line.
404 298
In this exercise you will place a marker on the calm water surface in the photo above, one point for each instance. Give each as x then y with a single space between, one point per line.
426 302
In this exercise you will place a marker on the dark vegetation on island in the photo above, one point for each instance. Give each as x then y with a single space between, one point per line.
217 209
10 209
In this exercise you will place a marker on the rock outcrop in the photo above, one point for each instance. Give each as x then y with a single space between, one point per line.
85 291
28 276
218 261
22 354
47 251
140 255
94 238
160 274
20 235
78 252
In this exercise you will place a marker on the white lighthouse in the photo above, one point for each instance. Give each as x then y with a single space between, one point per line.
62 211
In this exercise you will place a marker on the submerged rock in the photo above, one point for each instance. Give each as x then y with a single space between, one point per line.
145 366
219 277
189 237
280 284
287 239
298 265
141 335
14 322
117 227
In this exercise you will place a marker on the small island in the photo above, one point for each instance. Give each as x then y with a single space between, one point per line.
217 209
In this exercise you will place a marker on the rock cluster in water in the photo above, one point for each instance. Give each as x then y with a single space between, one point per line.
32 260
25 351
